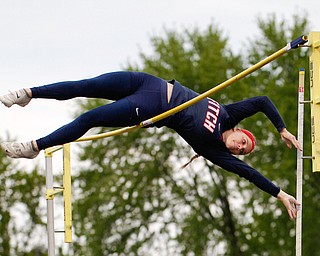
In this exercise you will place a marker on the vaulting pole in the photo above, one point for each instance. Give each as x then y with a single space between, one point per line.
292 45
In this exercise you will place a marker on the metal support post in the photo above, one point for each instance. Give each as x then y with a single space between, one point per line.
50 205
300 162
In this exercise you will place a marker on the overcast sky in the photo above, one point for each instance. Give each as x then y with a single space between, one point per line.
46 41
49 41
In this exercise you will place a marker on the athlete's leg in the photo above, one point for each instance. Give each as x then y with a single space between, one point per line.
116 114
144 101
113 86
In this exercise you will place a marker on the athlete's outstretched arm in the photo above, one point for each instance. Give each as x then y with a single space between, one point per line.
248 107
233 164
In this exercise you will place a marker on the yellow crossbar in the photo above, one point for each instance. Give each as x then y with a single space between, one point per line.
289 46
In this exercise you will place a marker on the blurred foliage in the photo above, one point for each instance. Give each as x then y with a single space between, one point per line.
131 198
20 211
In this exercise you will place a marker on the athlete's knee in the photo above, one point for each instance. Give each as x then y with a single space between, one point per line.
87 120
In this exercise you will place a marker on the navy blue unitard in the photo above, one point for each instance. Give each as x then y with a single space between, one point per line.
139 96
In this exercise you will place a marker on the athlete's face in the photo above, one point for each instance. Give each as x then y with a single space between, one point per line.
238 143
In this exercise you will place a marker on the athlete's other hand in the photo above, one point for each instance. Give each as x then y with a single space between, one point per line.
290 203
289 139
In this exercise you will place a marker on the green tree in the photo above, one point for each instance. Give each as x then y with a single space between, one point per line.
20 214
279 81
133 194
132 198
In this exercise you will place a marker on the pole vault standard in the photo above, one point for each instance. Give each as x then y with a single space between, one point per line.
301 103
292 45
52 191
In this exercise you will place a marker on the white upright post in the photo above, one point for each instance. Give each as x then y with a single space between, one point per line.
300 162
50 206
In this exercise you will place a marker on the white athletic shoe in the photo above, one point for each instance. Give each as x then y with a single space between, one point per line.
19 97
19 150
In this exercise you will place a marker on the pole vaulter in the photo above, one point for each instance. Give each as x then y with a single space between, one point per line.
292 45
